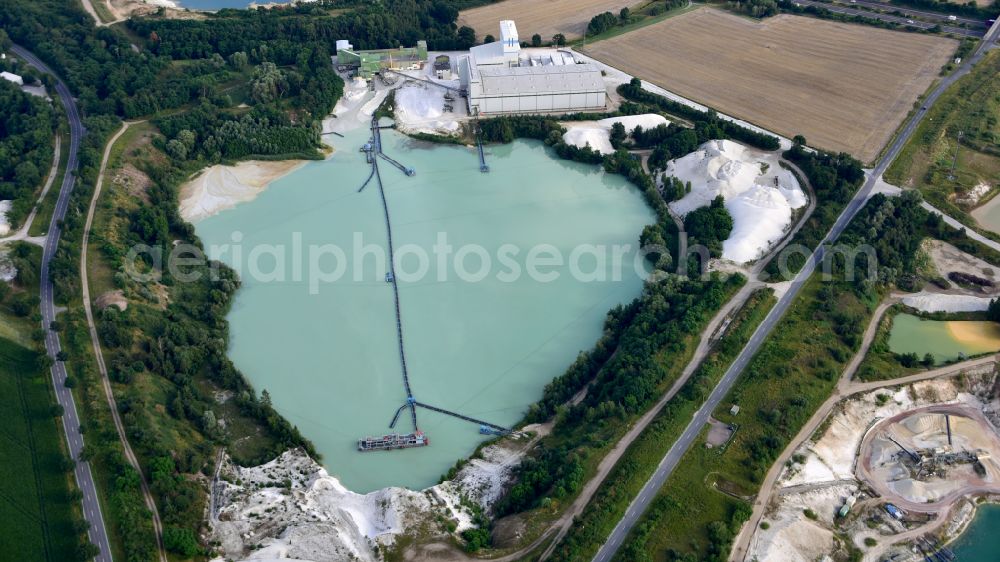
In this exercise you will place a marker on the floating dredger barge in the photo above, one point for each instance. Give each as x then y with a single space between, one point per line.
393 441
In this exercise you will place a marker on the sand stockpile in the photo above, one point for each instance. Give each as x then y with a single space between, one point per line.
760 194
933 302
219 187
420 108
354 109
984 336
292 508
597 134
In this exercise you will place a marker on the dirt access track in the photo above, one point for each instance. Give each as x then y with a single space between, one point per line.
544 17
845 87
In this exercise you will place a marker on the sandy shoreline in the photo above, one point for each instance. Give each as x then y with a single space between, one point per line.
974 333
219 188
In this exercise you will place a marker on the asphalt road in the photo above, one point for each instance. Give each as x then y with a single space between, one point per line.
677 450
840 9
97 533
910 12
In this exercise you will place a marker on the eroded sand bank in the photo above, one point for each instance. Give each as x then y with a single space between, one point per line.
219 187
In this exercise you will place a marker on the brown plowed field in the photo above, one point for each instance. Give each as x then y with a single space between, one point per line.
544 17
845 87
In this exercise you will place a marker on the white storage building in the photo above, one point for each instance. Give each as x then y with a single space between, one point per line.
11 77
499 80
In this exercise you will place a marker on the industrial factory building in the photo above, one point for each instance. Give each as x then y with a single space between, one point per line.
367 64
499 78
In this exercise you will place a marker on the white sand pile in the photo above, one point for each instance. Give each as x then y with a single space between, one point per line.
5 207
760 194
597 134
355 108
933 302
219 187
316 518
420 108
290 507
972 196
594 137
792 537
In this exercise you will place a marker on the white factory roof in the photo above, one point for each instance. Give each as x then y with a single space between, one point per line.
11 77
489 53
500 81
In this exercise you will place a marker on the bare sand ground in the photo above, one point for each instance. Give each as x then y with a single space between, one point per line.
845 87
544 17
985 212
219 188
947 258
985 335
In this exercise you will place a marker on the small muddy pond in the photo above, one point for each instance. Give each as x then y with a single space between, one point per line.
944 339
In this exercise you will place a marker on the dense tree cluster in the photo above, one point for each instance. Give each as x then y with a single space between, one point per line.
606 21
209 133
893 229
709 226
27 127
368 25
601 23
556 473
834 179
633 91
755 8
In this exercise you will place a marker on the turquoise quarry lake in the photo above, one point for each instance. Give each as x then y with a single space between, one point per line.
484 348
980 542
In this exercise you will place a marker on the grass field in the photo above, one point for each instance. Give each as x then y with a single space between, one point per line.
971 106
544 17
34 492
844 87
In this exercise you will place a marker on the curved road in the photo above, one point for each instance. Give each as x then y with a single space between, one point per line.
97 533
677 450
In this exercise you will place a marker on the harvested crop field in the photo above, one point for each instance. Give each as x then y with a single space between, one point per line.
844 87
544 17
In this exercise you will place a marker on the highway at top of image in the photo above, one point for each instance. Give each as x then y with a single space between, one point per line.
649 491
908 11
97 533
842 9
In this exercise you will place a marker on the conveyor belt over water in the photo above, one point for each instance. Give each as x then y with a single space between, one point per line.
392 271
411 403
482 157
463 417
